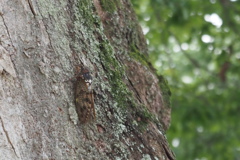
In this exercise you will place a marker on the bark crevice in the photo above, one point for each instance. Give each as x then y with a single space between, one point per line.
8 137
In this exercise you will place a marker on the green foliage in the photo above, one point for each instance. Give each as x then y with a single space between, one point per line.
196 46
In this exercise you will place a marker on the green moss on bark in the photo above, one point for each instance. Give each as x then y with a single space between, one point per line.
109 6
120 92
139 56
85 9
115 74
166 92
114 71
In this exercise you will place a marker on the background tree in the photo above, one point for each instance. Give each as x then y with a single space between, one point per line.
42 45
195 44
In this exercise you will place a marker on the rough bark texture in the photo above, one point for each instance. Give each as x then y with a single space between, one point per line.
41 43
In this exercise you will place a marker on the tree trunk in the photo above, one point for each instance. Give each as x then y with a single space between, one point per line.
42 45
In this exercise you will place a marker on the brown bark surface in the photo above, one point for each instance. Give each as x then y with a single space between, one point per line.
41 44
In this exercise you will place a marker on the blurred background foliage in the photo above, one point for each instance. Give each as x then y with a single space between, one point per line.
196 46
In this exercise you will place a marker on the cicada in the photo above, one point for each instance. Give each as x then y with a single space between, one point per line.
84 98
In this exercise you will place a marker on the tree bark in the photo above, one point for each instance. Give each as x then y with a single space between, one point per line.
42 43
